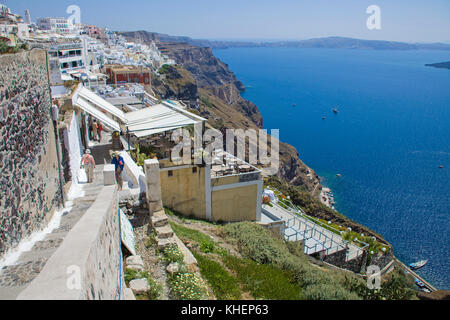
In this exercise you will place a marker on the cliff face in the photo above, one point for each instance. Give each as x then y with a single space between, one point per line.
219 99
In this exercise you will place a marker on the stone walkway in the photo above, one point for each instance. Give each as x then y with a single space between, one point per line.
15 278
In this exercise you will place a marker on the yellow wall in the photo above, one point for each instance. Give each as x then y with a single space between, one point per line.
236 204
224 180
185 191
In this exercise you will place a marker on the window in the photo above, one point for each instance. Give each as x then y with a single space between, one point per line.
194 170
170 173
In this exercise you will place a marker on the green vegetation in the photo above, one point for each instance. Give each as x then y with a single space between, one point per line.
139 155
165 69
271 268
264 281
187 286
185 219
257 244
173 254
205 242
206 102
223 285
5 48
398 286
155 288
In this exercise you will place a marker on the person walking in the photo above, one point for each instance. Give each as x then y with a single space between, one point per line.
99 130
88 162
94 130
118 162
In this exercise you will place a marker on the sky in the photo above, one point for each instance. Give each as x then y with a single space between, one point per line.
401 20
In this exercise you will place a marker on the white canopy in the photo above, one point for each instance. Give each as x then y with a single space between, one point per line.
151 120
101 103
93 111
155 119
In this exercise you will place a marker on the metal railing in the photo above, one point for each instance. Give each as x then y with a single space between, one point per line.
298 211
308 230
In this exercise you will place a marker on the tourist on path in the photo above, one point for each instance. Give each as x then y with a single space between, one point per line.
89 164
118 162
100 129
94 130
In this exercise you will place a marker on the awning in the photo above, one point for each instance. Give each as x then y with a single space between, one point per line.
156 119
93 111
101 103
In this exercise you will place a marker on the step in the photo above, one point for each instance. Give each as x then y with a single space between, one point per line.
163 243
159 219
164 232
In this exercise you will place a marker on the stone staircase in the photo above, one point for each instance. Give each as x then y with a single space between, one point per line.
164 233
15 278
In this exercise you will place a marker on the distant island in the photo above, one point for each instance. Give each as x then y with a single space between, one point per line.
443 65
328 42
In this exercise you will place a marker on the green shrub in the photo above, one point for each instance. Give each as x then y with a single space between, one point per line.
155 288
328 292
224 286
172 253
186 286
130 275
206 246
264 281
256 243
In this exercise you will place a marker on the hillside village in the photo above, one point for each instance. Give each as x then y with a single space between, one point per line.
142 223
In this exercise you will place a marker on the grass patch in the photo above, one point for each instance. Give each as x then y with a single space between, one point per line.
155 288
224 285
264 281
205 242
191 218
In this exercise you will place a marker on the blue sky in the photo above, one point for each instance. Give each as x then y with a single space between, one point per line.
401 20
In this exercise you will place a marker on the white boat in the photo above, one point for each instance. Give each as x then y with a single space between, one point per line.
418 264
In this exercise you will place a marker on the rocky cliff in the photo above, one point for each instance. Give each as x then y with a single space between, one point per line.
218 98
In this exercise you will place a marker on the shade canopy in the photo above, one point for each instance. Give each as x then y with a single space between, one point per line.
96 113
156 119
144 122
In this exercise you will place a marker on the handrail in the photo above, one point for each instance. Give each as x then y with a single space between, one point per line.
300 212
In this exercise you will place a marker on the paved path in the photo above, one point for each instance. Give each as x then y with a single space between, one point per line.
15 278
316 238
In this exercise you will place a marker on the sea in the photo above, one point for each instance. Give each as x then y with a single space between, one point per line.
388 140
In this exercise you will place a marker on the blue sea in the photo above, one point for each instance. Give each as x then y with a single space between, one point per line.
388 140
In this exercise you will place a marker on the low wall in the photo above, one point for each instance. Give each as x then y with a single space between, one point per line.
133 173
87 265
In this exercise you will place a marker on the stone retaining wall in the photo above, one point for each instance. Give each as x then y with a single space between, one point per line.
88 264
29 180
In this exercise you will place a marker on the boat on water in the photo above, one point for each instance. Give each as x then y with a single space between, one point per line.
335 110
417 265
419 283
294 104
